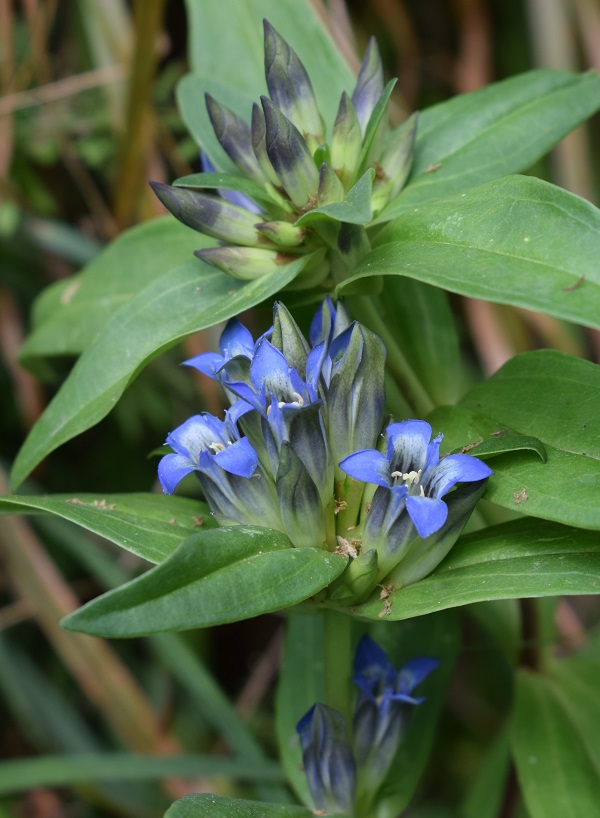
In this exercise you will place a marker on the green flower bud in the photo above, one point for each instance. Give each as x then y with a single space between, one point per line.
395 164
346 141
244 262
282 233
288 338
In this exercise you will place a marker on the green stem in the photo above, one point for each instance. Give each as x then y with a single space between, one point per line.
337 661
366 309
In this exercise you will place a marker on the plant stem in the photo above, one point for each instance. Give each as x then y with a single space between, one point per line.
337 661
367 310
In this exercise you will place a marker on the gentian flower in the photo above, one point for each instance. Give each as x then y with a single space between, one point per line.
288 167
227 466
408 505
328 761
383 705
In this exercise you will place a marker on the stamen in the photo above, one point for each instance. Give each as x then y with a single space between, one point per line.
217 447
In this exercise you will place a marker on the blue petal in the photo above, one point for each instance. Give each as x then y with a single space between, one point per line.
270 369
239 458
236 411
368 465
370 659
171 469
456 468
314 365
322 323
407 446
427 513
414 672
236 340
196 434
433 452
208 363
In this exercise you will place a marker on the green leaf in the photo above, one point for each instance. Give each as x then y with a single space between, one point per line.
181 301
355 209
576 681
546 393
217 806
69 769
522 558
149 525
503 443
301 684
558 777
70 314
216 576
425 330
227 181
484 799
553 396
516 241
493 132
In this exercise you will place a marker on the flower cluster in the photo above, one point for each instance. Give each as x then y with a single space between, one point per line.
290 173
297 446
344 775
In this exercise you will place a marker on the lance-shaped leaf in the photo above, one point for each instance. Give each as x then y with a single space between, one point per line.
516 241
234 137
174 305
331 190
246 263
369 85
289 85
221 575
346 140
290 156
502 129
218 806
209 214
521 558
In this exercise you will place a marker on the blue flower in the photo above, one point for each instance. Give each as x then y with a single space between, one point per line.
235 342
234 484
328 761
412 471
384 702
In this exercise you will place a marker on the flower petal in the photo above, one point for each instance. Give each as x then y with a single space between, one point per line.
196 434
456 468
368 465
236 340
239 458
171 469
370 660
414 672
209 363
427 513
407 446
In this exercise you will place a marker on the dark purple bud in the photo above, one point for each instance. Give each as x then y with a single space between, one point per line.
209 214
369 85
290 156
234 137
290 87
259 144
